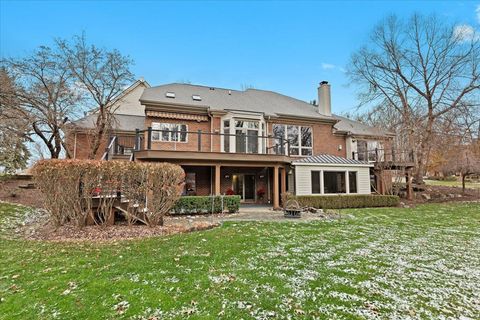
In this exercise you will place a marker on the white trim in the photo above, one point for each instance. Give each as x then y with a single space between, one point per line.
332 164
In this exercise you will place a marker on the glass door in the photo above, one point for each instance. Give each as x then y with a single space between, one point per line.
244 186
246 136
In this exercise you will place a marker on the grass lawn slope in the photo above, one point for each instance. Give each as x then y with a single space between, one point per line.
420 263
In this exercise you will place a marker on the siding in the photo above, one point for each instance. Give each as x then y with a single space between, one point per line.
303 183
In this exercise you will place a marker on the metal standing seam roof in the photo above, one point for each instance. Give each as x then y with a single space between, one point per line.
329 159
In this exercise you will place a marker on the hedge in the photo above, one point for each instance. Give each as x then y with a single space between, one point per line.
206 204
347 201
71 187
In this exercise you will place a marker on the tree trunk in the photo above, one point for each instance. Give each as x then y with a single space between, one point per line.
463 183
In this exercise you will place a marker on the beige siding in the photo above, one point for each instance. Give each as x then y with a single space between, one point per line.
303 182
130 103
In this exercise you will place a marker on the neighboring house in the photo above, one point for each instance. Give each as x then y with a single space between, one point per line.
254 143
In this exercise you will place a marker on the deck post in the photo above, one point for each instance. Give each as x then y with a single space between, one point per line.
217 180
149 138
137 139
276 196
408 180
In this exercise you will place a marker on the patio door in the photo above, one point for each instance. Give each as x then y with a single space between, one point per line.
244 186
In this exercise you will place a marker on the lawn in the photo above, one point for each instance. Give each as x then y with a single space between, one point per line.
398 263
458 184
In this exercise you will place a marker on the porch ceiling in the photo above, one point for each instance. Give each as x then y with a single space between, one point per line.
210 158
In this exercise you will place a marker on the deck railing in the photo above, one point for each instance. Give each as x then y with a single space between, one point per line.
385 155
199 141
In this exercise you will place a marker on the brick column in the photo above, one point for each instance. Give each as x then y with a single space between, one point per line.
217 180
276 196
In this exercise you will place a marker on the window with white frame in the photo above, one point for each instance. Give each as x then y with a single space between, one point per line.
169 132
300 138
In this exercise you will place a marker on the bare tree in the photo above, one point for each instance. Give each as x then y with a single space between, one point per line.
14 153
103 75
422 69
45 96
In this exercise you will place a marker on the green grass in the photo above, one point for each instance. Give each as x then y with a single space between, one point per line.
458 184
394 263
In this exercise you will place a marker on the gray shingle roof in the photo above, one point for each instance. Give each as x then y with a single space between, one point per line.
329 159
218 99
359 129
122 122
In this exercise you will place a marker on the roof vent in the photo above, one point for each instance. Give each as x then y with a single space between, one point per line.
211 88
196 97
170 95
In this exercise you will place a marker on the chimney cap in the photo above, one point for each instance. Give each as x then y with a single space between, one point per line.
323 82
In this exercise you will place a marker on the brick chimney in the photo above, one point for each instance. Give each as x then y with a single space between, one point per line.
324 101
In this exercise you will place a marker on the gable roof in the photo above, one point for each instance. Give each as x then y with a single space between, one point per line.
121 122
329 159
218 99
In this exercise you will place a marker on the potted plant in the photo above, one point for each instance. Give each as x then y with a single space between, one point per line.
230 192
260 193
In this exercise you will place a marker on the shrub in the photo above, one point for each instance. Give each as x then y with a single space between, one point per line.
206 204
71 186
347 201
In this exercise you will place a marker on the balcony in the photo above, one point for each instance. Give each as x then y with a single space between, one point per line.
387 158
198 146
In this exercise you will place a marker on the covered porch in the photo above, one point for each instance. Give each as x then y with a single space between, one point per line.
262 185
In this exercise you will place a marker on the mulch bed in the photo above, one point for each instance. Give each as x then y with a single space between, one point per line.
71 233
10 191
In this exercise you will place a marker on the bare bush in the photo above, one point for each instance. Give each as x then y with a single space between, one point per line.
77 189
164 186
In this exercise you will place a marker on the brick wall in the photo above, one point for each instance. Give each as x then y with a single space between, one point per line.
83 143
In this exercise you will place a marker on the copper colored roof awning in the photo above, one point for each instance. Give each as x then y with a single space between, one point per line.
174 115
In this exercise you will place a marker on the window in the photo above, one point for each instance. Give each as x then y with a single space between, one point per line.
169 132
226 136
315 182
352 182
246 136
170 95
196 97
334 182
300 138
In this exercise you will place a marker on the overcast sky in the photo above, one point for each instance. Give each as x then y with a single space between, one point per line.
288 47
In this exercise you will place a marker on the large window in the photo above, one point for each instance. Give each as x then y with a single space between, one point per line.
226 137
334 182
246 135
316 182
169 132
352 182
300 138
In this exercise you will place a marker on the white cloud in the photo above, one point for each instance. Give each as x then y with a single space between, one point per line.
465 32
327 66
478 13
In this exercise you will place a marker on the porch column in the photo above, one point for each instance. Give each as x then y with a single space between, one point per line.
276 196
217 180
283 181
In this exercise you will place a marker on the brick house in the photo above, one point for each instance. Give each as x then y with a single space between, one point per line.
254 143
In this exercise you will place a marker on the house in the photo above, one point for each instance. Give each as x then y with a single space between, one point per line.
255 143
